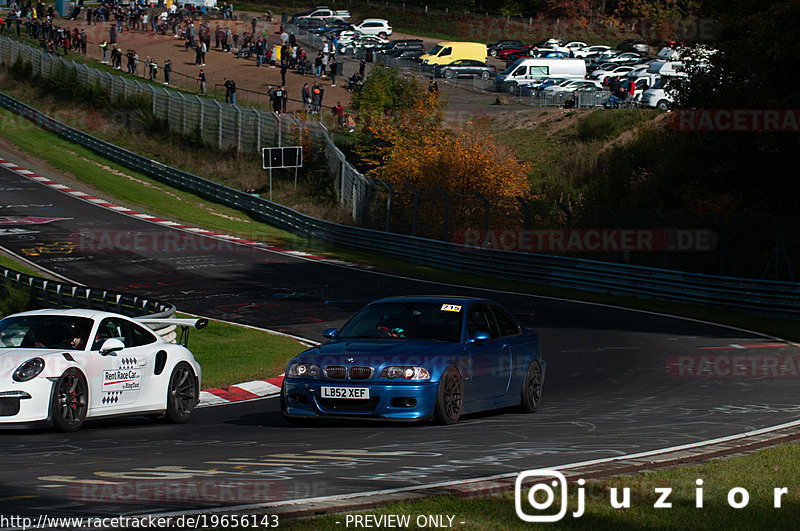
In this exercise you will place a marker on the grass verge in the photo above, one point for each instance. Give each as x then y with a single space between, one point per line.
231 354
759 474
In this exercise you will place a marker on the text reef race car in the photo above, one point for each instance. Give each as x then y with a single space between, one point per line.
412 358
61 367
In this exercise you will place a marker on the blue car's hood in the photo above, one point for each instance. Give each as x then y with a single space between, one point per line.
378 352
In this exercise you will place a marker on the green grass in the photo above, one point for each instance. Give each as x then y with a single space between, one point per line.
759 473
10 263
231 354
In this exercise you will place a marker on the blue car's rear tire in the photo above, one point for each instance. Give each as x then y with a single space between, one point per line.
531 392
449 398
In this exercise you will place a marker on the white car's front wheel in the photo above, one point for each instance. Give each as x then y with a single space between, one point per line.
70 401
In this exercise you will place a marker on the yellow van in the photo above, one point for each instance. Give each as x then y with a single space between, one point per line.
446 52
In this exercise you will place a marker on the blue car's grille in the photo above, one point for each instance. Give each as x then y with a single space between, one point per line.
360 373
352 406
336 372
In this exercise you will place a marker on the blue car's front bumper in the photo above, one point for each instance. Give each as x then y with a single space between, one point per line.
388 401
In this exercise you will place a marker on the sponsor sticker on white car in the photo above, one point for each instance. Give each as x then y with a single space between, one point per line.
122 380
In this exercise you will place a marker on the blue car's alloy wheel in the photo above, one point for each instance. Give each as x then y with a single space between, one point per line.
449 398
531 388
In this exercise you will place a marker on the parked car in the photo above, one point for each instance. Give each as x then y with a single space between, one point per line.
62 367
374 26
310 23
467 68
505 52
444 53
624 58
416 358
494 48
602 74
634 45
590 50
572 85
402 44
324 13
662 94
407 55
330 27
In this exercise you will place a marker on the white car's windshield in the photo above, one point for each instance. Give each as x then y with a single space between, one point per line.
406 320
45 331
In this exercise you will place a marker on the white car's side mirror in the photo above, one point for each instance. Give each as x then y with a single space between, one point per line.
110 346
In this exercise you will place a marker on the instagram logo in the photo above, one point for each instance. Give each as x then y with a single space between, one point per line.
541 495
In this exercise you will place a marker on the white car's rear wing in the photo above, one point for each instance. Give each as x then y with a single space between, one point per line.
166 328
192 323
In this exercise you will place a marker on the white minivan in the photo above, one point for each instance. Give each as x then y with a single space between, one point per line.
529 69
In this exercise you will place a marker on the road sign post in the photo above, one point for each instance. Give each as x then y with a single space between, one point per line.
274 158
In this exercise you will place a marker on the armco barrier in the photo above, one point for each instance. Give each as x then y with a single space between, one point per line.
53 293
766 297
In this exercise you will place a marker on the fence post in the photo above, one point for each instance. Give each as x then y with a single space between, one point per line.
258 130
219 124
183 113
388 203
238 129
153 91
202 113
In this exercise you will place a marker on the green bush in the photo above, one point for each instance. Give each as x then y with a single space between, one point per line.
603 124
14 300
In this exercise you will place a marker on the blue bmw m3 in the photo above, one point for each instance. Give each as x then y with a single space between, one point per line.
415 358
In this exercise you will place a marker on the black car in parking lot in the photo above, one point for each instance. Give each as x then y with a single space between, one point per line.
466 68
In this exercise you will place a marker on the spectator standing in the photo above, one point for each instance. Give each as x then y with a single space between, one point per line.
316 98
284 68
306 97
203 83
318 65
167 71
338 112
334 69
104 49
277 100
112 34
362 66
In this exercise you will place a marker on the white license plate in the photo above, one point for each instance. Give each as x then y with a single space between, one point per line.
346 392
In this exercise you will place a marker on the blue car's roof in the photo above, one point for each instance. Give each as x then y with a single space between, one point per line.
449 299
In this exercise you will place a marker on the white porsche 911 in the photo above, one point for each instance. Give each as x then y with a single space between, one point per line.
61 367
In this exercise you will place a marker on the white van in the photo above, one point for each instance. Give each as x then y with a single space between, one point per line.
529 69
667 68
662 94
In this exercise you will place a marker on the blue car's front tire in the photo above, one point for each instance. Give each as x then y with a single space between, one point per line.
449 398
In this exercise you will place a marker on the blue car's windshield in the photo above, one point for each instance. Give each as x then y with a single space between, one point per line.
435 321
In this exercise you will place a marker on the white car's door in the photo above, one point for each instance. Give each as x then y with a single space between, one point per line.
124 372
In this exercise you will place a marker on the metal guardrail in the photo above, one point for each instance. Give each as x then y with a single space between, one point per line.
63 295
767 297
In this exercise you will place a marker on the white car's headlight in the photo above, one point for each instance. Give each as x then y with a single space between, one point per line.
29 370
405 372
303 370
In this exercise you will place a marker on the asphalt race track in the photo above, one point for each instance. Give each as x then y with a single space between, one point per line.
618 382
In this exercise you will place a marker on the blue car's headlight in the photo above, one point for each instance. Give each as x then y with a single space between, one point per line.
407 373
29 370
303 370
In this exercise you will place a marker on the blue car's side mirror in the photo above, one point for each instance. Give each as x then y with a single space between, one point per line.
329 332
480 337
